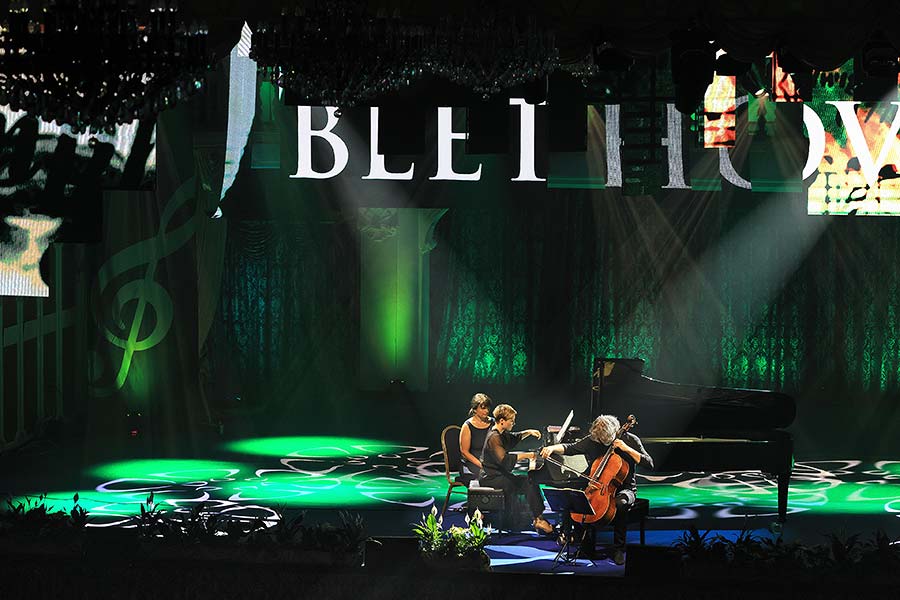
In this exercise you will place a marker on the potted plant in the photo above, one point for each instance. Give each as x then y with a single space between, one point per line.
30 526
200 534
453 548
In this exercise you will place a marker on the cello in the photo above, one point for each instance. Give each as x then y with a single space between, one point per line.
605 477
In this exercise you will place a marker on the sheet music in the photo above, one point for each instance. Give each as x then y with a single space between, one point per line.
574 464
565 426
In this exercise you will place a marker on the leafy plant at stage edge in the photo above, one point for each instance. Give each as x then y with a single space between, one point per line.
692 544
453 546
199 525
430 533
842 550
881 553
841 557
78 516
34 517
743 550
152 521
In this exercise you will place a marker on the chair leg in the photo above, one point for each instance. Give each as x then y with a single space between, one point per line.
446 501
643 522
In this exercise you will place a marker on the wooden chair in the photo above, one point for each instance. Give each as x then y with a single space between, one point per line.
452 460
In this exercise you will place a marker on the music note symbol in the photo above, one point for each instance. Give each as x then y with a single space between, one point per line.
144 290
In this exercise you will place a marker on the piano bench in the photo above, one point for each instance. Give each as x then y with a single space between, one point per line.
638 514
485 499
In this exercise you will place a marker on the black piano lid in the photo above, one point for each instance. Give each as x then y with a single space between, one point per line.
690 410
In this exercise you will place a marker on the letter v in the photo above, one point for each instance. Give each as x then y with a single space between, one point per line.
846 109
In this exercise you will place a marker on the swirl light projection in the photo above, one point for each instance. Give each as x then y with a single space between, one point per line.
292 472
838 487
360 474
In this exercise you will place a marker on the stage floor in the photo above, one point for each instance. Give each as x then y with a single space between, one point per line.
391 485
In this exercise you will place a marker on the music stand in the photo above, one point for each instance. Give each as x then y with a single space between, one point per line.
566 501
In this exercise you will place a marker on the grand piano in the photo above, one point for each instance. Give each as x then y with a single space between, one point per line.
698 428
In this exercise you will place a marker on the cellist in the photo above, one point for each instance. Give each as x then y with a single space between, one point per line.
594 445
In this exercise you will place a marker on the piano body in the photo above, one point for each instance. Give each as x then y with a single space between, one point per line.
699 428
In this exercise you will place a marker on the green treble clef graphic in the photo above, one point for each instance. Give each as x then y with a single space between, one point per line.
145 290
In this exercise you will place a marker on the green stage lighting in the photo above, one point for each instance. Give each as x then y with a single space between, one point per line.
312 447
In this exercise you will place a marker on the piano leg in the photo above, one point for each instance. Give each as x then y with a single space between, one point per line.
784 480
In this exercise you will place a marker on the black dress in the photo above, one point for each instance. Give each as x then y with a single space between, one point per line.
476 447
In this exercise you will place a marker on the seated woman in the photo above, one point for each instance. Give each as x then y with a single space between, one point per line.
472 436
497 464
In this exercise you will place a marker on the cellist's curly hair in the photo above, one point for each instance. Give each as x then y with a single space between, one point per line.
604 429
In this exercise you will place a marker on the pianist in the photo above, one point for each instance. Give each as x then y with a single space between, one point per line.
593 446
497 464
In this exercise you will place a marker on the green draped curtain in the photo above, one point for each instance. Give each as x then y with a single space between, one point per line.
487 294
671 281
286 330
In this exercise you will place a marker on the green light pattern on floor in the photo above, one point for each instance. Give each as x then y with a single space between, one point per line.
103 504
818 497
339 472
299 491
63 500
311 446
173 470
892 468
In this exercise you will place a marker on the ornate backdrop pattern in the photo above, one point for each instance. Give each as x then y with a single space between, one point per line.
663 279
287 319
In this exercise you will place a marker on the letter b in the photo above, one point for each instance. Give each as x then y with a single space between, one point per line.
305 134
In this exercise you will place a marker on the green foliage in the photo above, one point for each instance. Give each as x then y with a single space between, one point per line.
786 557
347 537
152 521
743 550
78 516
468 541
430 533
842 550
199 525
195 525
351 532
693 544
34 518
457 542
842 556
241 529
284 531
881 553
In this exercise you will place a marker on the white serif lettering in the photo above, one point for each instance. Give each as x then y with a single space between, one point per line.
445 137
870 168
377 170
526 140
305 133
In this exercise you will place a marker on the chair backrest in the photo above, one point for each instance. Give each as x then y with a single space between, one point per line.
452 454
